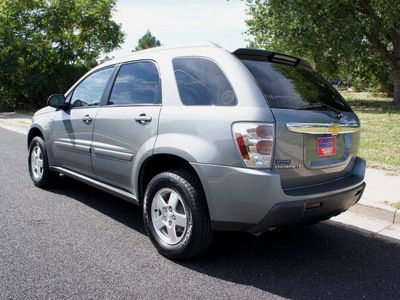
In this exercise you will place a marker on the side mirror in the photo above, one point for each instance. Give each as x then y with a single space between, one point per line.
57 101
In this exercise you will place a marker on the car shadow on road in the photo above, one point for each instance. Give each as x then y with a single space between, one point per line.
122 211
322 261
316 262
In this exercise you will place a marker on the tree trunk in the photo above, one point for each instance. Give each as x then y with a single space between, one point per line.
396 81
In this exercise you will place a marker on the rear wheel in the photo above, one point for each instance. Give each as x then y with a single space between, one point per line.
38 163
176 216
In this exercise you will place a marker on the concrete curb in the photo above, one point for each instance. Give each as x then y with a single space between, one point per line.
377 211
15 125
369 209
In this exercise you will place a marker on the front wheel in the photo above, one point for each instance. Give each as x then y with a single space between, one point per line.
176 216
38 163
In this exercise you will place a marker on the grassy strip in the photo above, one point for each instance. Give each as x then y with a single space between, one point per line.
395 205
27 112
25 123
380 129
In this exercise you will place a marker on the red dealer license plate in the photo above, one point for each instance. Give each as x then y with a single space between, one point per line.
326 146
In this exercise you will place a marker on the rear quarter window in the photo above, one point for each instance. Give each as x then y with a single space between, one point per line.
201 82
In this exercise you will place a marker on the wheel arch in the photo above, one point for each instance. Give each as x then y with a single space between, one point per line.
159 163
34 132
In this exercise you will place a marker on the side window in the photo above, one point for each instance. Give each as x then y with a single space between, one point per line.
136 83
201 82
90 90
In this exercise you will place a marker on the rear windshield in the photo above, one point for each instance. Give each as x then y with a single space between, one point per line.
290 87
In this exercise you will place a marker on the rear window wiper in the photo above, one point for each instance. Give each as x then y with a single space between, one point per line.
321 105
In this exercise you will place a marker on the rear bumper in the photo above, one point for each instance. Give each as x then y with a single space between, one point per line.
304 212
243 199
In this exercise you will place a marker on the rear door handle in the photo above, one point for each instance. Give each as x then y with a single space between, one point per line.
143 119
87 119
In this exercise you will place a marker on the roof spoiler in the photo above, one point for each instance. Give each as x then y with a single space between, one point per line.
270 56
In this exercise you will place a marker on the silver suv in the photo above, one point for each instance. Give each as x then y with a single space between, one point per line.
205 140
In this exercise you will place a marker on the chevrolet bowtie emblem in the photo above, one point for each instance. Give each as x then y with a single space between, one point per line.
335 129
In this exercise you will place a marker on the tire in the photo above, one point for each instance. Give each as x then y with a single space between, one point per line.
38 164
176 216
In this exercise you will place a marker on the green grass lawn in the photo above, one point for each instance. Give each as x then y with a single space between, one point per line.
380 129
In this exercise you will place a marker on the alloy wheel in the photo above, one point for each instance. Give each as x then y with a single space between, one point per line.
169 216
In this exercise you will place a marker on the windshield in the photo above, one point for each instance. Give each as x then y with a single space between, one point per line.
290 87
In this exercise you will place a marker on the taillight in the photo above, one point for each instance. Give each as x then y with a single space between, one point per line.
242 146
264 147
255 142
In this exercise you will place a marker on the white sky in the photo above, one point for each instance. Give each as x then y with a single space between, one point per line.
180 21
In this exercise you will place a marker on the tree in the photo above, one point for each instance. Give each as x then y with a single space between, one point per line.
358 38
45 46
147 41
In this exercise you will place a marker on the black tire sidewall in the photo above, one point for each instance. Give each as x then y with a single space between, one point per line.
45 179
179 185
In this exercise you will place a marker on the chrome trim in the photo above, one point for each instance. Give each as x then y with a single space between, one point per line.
112 154
322 128
72 146
97 184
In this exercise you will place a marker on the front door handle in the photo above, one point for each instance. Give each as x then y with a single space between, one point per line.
143 119
87 119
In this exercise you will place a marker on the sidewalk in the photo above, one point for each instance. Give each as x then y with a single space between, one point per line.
372 215
15 122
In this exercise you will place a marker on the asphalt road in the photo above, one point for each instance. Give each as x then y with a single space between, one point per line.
75 242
